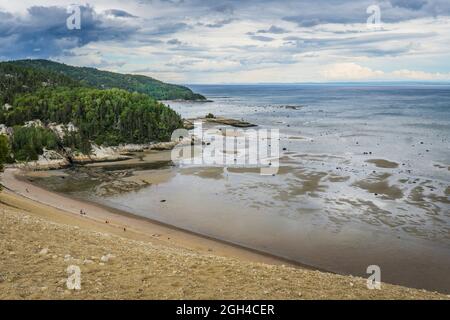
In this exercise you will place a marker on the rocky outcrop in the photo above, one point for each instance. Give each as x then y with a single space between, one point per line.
189 123
49 160
164 145
127 148
7 106
34 123
98 154
62 129
8 131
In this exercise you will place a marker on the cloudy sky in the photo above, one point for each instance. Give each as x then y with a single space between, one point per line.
237 41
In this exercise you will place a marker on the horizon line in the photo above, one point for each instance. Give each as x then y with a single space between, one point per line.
370 82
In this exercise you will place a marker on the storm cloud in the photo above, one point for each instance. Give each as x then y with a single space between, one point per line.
200 40
43 32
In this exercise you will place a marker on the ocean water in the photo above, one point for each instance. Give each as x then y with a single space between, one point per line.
364 179
343 130
343 224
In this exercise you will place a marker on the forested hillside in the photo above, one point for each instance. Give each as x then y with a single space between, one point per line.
60 95
106 117
16 79
107 80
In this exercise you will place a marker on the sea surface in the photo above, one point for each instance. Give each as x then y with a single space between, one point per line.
364 179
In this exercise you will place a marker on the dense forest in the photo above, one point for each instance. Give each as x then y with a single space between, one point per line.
28 142
103 116
107 80
107 117
15 79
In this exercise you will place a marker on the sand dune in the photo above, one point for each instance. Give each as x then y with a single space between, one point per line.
39 242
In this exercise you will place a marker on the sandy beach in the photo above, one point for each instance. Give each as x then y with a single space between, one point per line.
43 233
137 228
225 150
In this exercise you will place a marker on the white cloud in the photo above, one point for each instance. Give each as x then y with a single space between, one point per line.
419 75
215 42
349 71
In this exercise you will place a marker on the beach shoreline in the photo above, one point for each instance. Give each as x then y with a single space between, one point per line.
25 192
249 274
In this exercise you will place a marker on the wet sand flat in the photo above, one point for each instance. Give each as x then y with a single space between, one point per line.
382 163
136 227
284 215
378 185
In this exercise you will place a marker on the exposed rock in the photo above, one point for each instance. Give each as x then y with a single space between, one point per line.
34 123
7 106
292 107
98 154
127 148
189 123
61 129
49 160
231 122
164 145
6 130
